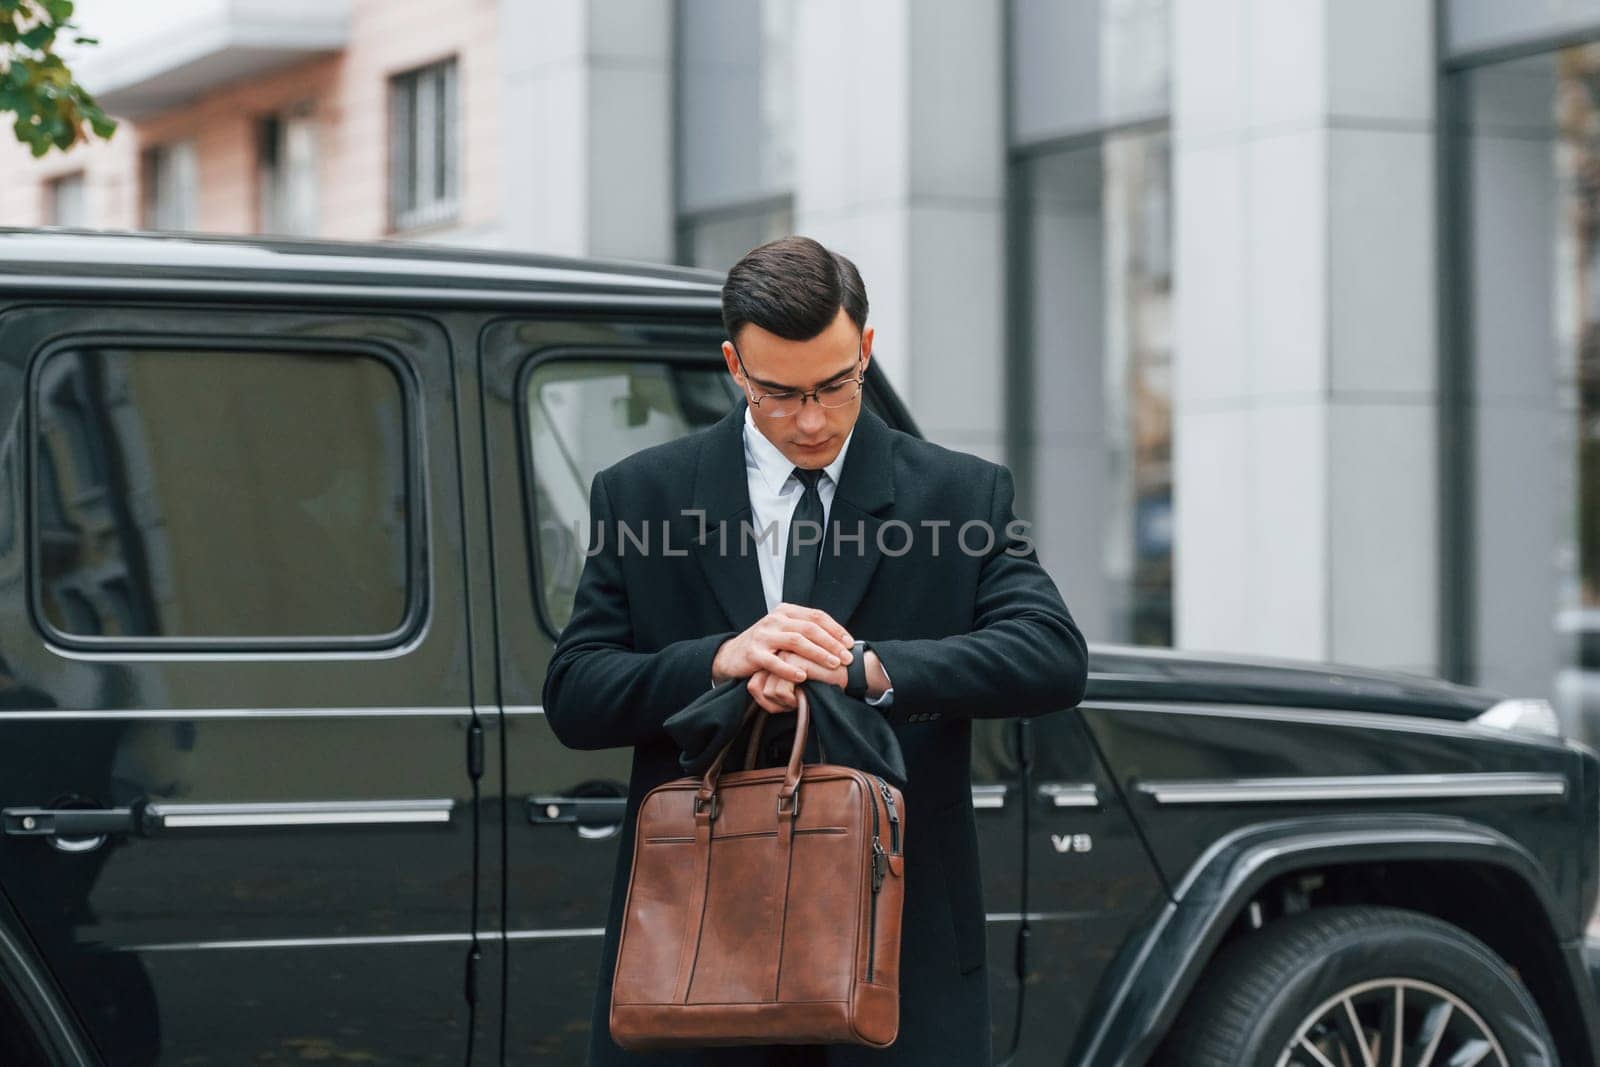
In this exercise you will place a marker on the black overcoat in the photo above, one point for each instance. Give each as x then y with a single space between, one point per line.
975 629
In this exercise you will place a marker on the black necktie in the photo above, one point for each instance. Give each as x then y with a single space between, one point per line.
799 575
800 564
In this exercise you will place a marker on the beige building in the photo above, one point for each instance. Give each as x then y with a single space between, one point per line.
279 118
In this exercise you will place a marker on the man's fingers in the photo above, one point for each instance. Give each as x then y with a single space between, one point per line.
808 649
832 625
771 663
782 694
819 635
779 694
814 615
757 688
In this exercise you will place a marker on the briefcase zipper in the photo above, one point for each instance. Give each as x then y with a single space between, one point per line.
880 869
894 816
880 866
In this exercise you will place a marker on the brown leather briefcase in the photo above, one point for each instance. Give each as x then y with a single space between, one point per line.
763 907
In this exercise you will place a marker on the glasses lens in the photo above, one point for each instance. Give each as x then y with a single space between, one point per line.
839 394
777 405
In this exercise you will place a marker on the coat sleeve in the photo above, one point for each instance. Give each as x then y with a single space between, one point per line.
600 691
1024 656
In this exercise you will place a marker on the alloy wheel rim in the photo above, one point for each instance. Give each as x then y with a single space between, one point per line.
1393 1022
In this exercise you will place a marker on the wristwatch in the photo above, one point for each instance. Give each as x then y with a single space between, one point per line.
855 672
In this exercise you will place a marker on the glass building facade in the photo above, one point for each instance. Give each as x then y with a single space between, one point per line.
1523 184
1507 401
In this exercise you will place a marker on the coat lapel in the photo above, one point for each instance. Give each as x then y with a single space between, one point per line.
719 510
865 495
721 496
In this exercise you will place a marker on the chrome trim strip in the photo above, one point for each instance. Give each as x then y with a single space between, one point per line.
1393 722
302 813
691 299
1354 787
545 935
299 942
989 797
1070 794
193 654
344 942
176 714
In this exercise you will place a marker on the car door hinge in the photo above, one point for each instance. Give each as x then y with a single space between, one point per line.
474 954
475 750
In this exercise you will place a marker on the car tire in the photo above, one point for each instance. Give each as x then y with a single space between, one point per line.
1276 989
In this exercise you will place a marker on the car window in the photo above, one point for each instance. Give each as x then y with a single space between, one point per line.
232 495
583 416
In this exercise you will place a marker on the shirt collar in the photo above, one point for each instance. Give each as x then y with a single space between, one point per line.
774 467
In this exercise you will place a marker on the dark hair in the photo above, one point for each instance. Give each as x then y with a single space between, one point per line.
792 287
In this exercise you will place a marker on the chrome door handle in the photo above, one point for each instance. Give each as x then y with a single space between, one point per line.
70 822
1070 794
990 797
596 818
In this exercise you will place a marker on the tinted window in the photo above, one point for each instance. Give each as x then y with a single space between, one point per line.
205 494
583 416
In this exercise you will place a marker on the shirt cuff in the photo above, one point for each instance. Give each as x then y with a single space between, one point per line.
887 697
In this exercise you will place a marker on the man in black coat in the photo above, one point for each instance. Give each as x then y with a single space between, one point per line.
765 547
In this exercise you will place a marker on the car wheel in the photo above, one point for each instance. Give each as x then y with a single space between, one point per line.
1347 985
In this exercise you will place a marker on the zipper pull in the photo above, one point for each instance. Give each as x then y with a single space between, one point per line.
880 865
894 817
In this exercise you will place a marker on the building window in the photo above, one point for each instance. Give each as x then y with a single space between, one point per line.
736 119
1091 369
287 179
1096 264
1524 392
718 239
169 180
424 151
65 201
220 496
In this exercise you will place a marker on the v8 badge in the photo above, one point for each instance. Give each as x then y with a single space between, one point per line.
1072 842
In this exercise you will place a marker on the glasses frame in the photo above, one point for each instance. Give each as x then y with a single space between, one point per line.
803 394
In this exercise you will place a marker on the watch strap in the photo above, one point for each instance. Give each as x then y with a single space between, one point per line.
855 671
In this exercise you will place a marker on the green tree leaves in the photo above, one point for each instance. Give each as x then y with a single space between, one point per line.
52 110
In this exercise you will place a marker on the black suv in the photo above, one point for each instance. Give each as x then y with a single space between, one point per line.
286 533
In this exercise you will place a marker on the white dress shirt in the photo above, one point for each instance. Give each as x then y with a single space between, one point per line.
774 492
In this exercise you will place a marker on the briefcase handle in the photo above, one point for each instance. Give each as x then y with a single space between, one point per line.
705 799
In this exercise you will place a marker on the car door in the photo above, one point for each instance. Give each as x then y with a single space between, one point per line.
563 399
234 700
997 805
1090 881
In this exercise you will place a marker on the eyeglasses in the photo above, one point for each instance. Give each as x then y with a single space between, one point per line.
783 404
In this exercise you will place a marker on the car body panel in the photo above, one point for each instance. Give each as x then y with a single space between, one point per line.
1163 961
1166 753
315 823
1109 873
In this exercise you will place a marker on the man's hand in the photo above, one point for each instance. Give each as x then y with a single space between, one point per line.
777 694
786 646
